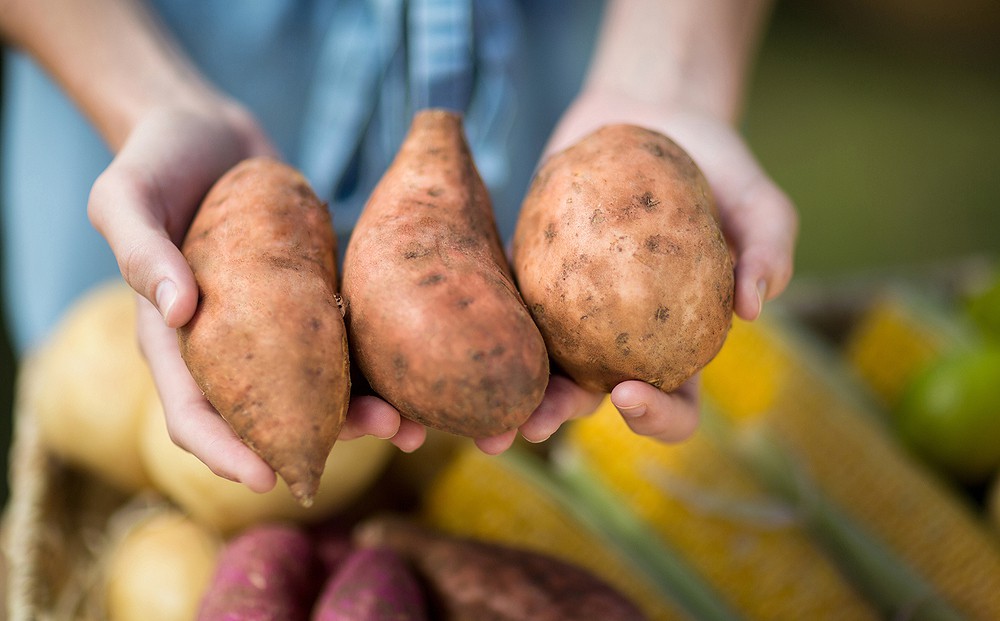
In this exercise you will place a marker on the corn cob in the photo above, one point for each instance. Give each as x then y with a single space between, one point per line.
897 337
500 499
813 408
699 499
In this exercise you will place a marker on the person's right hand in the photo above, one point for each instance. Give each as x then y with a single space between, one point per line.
143 204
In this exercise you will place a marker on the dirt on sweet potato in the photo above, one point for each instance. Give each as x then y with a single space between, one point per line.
267 344
620 257
436 324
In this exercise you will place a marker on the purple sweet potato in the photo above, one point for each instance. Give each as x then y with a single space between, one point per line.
471 580
372 584
269 572
333 545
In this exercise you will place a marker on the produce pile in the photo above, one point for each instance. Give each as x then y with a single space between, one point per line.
847 465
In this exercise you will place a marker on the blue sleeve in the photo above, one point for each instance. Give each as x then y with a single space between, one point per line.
333 83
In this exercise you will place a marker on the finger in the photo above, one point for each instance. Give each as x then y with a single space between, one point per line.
191 421
370 416
121 209
196 427
410 437
497 444
762 225
758 219
648 411
563 401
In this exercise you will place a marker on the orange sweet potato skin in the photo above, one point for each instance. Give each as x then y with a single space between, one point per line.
435 322
267 344
619 256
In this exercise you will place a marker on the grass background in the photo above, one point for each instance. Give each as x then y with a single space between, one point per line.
879 118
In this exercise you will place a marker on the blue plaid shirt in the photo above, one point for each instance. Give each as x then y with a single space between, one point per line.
333 82
384 59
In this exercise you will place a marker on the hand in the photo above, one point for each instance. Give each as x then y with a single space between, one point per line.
758 220
143 204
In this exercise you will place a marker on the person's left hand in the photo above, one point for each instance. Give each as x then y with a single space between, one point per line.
760 225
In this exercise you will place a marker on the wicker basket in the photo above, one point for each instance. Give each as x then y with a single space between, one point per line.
54 529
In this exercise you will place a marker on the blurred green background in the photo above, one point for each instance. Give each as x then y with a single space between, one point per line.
880 119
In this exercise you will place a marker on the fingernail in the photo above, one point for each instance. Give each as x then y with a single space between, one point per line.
166 296
632 411
761 295
232 476
537 440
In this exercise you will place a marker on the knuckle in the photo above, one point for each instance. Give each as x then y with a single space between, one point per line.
134 267
99 199
176 431
678 429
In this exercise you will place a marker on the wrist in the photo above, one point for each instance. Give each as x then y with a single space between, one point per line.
111 57
119 110
688 54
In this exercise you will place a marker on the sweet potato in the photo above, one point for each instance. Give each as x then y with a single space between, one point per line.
471 580
435 322
269 572
333 545
619 255
228 507
267 343
372 584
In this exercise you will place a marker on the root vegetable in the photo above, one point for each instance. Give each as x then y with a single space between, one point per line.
472 580
267 343
160 569
87 386
435 322
619 256
267 573
230 507
333 545
373 584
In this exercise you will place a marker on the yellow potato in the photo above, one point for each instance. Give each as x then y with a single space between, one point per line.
160 568
87 386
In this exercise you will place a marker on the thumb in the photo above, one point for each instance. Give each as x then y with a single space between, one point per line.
124 209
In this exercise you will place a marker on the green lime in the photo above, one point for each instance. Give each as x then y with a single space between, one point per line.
950 414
